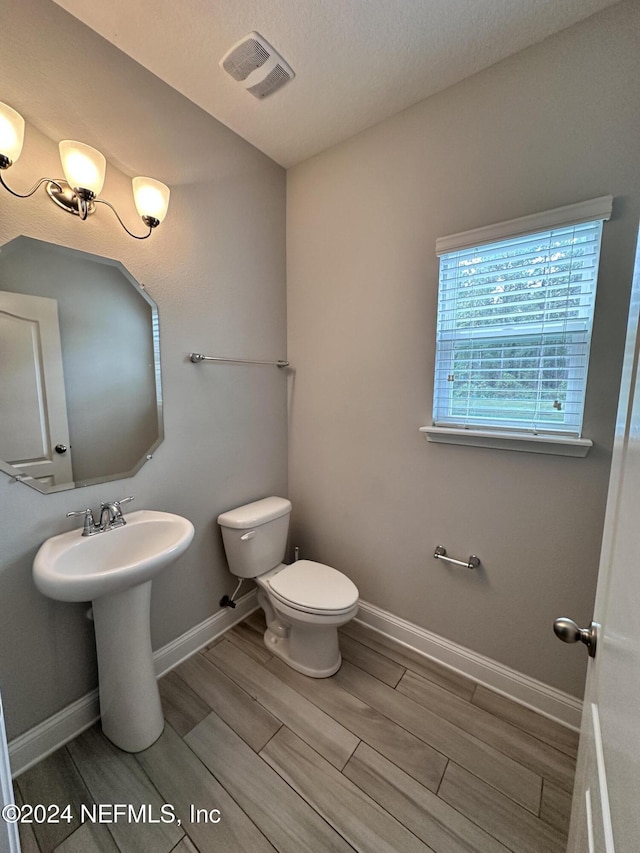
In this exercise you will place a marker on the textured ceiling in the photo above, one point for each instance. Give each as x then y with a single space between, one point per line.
356 61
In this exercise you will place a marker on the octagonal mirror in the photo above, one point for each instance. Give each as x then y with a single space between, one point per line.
80 390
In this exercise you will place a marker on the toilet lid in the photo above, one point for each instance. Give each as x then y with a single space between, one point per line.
314 586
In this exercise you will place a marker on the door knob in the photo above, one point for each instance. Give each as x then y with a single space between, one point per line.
60 448
569 632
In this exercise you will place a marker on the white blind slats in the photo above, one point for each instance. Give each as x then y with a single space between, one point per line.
520 412
510 313
523 373
476 285
499 291
515 333
479 259
514 328
520 247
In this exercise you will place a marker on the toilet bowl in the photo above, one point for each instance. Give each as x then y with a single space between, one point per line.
304 603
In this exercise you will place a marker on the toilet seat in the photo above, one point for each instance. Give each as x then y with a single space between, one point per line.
313 588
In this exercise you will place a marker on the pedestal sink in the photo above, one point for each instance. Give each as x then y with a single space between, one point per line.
114 570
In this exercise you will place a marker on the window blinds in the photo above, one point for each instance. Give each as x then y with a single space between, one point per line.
514 326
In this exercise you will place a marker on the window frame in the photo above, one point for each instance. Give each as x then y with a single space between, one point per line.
489 432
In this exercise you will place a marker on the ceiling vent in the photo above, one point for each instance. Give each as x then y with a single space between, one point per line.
254 63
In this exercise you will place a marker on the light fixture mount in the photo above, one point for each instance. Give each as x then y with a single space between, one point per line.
68 199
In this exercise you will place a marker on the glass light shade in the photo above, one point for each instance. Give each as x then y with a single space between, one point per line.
84 167
11 132
151 197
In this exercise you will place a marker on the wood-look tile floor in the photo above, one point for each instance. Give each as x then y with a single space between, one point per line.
393 754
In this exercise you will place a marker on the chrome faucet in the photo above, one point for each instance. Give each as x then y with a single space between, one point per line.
110 517
111 514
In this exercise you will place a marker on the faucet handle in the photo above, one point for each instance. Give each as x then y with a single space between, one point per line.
117 503
89 521
85 512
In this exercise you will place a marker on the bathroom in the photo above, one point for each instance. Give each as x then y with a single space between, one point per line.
330 264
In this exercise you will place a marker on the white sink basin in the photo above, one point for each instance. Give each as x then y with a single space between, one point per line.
114 570
72 567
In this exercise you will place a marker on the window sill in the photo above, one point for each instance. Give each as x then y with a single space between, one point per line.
560 445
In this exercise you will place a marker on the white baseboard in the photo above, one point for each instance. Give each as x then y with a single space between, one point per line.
540 697
187 644
40 741
34 745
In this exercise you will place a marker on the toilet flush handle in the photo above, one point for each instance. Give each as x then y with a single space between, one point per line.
248 535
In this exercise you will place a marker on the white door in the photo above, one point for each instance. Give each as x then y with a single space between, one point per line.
32 394
9 839
606 802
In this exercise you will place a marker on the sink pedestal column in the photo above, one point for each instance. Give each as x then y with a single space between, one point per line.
129 699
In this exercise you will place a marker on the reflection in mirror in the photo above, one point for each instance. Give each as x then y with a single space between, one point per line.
80 391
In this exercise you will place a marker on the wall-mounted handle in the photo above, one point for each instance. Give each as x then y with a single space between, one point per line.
441 554
570 632
248 535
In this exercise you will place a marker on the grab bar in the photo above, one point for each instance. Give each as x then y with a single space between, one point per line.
441 554
197 357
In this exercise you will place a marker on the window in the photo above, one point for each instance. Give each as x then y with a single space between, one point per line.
515 311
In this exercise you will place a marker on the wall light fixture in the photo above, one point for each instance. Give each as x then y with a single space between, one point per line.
84 171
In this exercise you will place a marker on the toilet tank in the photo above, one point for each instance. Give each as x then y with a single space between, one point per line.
255 536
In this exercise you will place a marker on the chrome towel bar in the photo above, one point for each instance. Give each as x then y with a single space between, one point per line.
196 357
441 554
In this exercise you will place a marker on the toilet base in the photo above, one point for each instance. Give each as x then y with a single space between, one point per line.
325 661
307 642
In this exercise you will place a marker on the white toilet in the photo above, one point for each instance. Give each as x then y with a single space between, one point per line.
304 603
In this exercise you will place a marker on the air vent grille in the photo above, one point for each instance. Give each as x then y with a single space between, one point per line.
245 58
257 65
274 79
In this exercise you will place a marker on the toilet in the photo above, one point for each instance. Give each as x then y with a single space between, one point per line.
304 603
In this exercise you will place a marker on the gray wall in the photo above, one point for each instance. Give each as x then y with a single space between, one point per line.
216 269
555 124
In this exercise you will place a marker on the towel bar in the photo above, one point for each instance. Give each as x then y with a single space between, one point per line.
197 357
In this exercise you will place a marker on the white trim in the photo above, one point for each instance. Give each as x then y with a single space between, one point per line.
9 838
605 802
178 650
540 697
32 746
555 445
40 741
570 214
